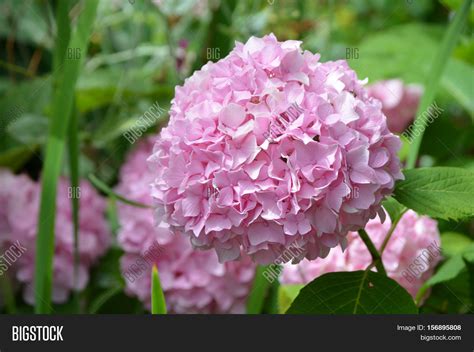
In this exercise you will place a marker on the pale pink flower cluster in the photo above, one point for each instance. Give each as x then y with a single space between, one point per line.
19 198
193 281
409 258
219 178
399 101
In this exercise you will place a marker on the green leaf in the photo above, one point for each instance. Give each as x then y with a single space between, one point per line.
448 271
454 243
458 82
449 297
286 295
260 286
440 192
403 51
357 292
469 261
158 304
62 107
29 129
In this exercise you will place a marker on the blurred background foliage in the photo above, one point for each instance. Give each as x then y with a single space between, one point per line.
138 52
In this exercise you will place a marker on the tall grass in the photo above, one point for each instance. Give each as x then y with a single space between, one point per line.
73 149
259 291
432 81
61 112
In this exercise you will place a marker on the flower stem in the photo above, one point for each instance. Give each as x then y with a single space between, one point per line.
376 257
390 232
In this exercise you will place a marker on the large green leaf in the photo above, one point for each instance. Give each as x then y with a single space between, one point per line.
29 129
440 192
357 292
402 51
458 81
406 52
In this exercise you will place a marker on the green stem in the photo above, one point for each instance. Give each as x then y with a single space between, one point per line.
432 81
376 258
390 232
107 190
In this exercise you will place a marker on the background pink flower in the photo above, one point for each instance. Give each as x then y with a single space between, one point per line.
193 281
415 237
227 178
399 102
19 197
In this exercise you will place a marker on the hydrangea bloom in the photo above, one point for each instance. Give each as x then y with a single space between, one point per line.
20 197
399 102
415 237
265 148
193 281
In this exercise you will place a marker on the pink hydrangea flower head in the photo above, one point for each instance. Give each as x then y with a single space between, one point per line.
399 101
21 209
415 238
264 150
193 281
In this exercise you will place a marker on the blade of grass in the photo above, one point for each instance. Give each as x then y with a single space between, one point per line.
63 32
102 186
271 302
7 293
158 303
62 106
432 81
73 149
260 287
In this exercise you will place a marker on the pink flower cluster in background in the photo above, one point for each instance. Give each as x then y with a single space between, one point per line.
270 194
193 281
409 258
399 102
19 198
